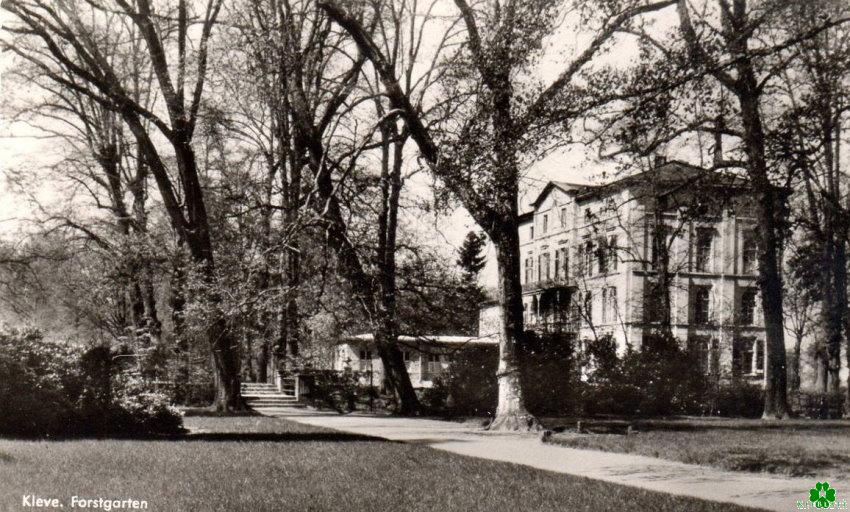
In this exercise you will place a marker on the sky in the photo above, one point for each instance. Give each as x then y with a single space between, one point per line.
20 150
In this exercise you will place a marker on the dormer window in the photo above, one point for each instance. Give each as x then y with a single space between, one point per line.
545 224
531 232
563 217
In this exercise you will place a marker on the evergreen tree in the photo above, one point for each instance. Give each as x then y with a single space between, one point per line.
471 257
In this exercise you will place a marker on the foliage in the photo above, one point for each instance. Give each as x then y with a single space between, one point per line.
339 391
820 405
53 390
467 387
660 379
737 399
471 257
550 378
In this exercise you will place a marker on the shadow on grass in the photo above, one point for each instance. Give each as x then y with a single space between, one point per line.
283 437
275 437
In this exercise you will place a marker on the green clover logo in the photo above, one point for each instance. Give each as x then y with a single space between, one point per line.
821 495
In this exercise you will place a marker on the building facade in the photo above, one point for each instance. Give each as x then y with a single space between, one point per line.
591 257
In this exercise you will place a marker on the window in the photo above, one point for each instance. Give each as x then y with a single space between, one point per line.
405 354
531 232
365 363
702 251
748 359
664 235
749 253
612 253
588 306
432 364
544 267
707 352
701 301
602 256
579 261
563 217
651 303
609 304
557 264
748 307
529 269
545 224
588 259
561 265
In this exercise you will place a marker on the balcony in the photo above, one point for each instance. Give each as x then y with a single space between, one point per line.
552 325
546 284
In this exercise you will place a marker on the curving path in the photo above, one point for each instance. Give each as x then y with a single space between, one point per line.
770 492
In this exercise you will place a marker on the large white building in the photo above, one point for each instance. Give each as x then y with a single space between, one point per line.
588 264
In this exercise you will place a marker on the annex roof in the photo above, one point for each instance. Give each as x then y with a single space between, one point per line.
448 340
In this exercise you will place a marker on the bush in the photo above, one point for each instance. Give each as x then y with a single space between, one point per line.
468 386
658 380
47 389
819 405
339 391
736 399
551 383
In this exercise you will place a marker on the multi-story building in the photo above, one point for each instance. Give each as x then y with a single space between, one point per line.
590 265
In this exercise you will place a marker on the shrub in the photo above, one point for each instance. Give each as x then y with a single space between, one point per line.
660 379
735 399
339 391
47 389
550 379
819 405
468 386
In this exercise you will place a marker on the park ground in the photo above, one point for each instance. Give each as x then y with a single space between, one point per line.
261 463
799 448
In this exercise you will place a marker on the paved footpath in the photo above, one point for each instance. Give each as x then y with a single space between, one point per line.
748 489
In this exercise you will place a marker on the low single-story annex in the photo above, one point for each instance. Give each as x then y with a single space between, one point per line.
426 357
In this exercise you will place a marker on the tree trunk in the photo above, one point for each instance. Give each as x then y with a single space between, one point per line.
821 365
662 267
770 202
795 369
511 413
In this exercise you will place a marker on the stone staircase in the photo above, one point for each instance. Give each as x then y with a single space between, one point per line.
266 399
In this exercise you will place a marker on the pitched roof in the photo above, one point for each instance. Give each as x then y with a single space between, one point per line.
667 173
563 186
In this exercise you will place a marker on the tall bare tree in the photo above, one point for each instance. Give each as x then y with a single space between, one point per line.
65 40
478 157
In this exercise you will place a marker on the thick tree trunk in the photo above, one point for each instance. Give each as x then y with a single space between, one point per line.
770 285
832 315
821 365
770 206
662 267
795 370
511 413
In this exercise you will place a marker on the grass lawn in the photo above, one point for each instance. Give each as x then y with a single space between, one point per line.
797 447
257 464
